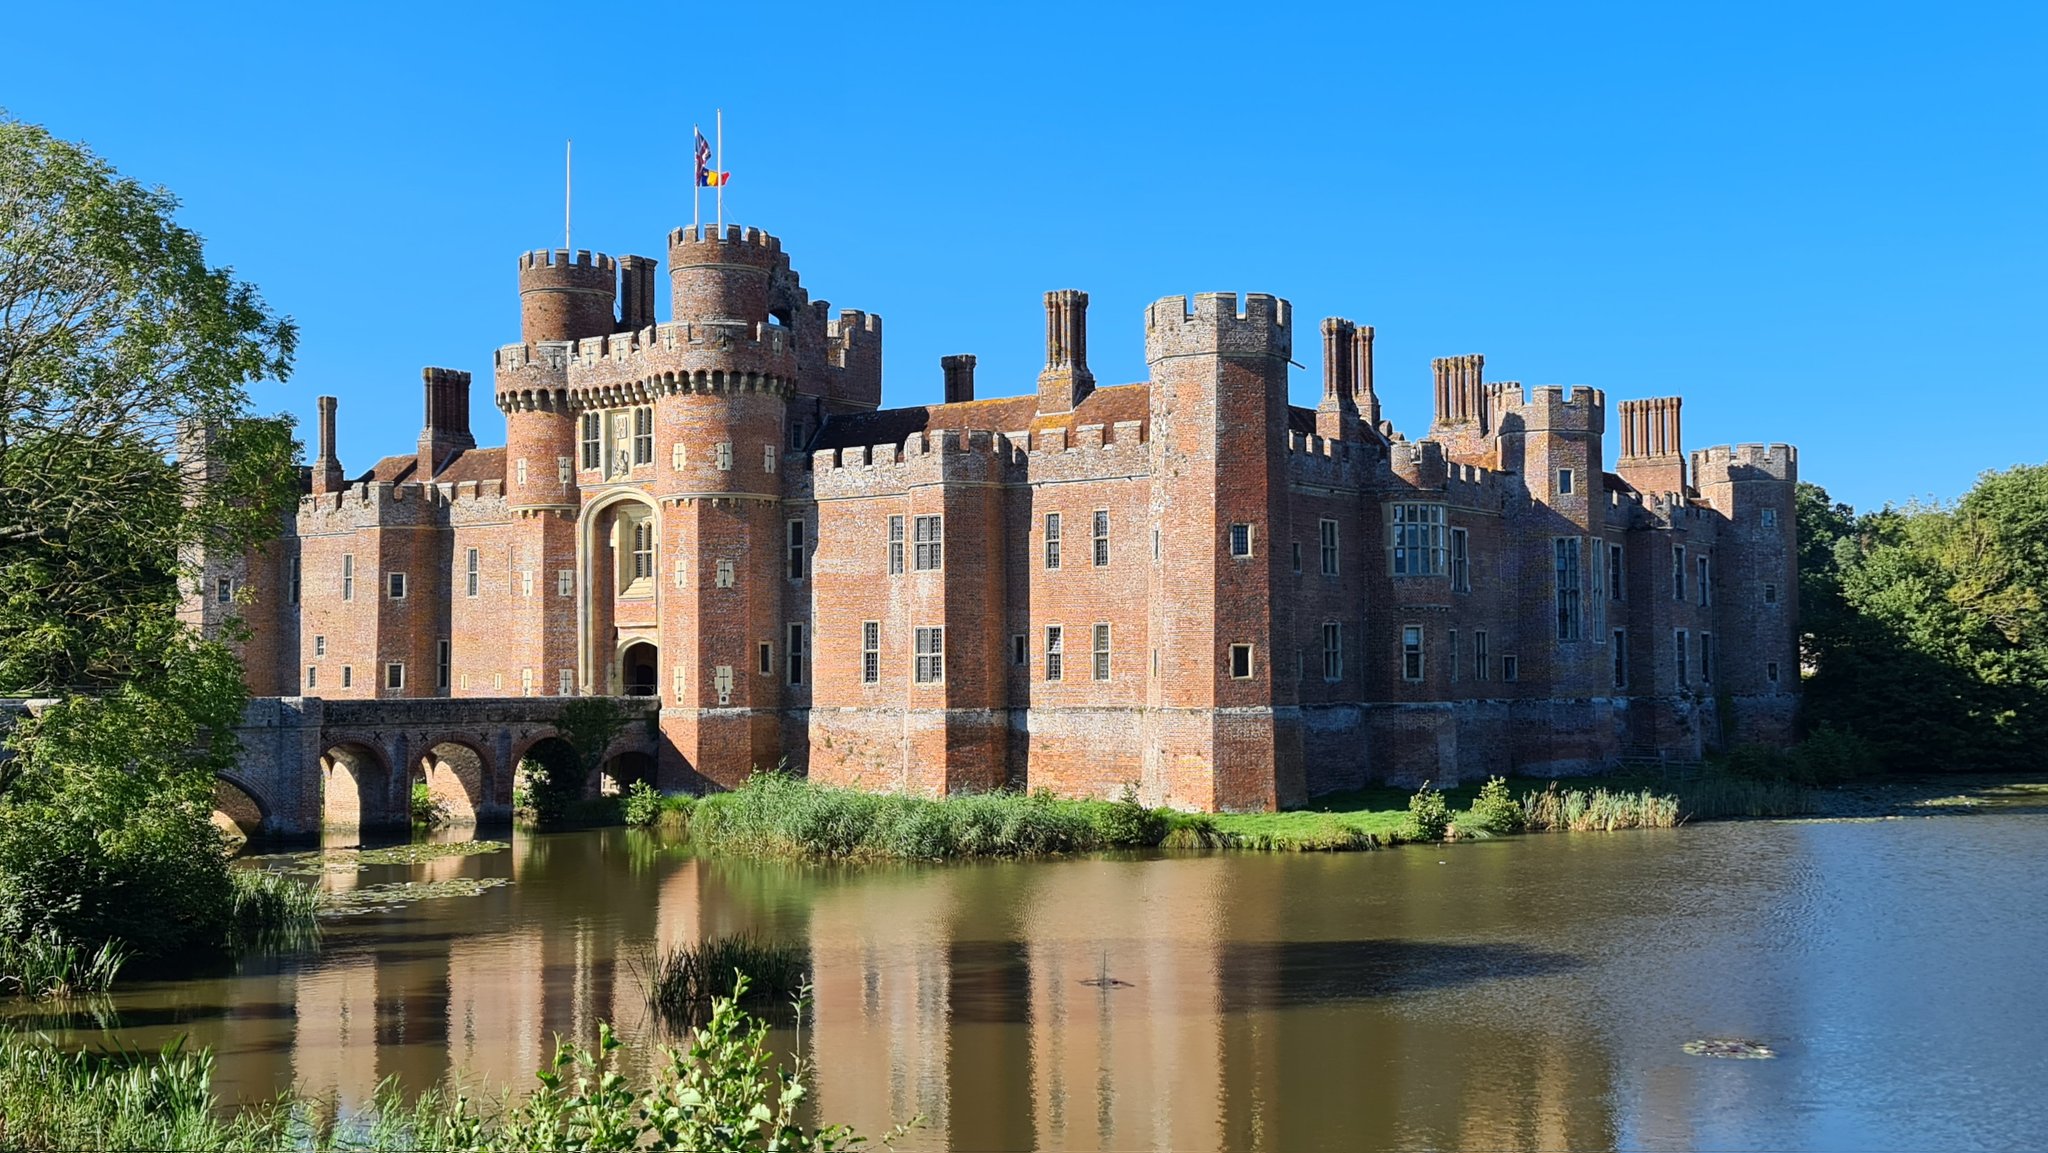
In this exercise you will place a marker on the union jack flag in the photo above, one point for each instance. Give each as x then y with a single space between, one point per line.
703 158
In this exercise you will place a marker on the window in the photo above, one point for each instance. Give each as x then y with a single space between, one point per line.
320 645
443 662
1678 643
224 589
1101 652
313 677
1770 594
643 550
643 435
1706 658
1055 653
521 471
1411 652
723 450
721 680
1597 597
870 652
767 663
348 676
1564 482
1295 547
1052 540
1155 550
1451 656
1770 672
1461 562
1240 540
796 436
1620 658
395 584
895 545
1018 653
1771 521
723 579
928 543
796 550
394 675
1333 651
348 577
1417 539
1101 538
593 440
1678 573
291 581
931 655
1705 584
767 458
796 653
1482 663
1329 538
1567 550
565 582
1510 668
678 456
565 682
1241 662
1614 572
472 573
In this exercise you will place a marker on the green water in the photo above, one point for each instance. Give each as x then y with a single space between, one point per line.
1525 993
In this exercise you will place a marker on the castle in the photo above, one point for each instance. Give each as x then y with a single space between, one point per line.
1186 583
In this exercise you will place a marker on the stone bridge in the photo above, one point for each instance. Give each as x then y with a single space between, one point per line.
308 764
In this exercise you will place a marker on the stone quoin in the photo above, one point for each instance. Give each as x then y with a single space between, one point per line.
1186 584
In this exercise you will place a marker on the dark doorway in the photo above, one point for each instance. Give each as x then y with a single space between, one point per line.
641 670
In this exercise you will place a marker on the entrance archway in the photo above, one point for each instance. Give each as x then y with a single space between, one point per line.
640 670
621 771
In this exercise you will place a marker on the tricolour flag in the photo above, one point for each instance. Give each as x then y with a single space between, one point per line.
706 176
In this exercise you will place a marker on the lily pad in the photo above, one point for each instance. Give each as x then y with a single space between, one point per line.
385 898
320 861
1734 1050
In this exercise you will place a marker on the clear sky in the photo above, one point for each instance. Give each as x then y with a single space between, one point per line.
1819 223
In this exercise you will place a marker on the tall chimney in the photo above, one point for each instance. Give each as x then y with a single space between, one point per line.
1337 416
636 293
447 428
326 466
959 372
1066 381
1361 375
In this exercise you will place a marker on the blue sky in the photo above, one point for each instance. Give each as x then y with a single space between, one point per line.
1819 223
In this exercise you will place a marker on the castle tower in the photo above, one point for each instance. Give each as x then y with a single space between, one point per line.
1219 424
1755 595
1652 457
1065 381
1552 436
565 298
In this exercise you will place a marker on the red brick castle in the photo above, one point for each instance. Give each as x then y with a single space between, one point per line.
1186 583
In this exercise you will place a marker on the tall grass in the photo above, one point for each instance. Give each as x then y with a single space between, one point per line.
1721 795
685 981
772 815
44 967
274 908
1598 810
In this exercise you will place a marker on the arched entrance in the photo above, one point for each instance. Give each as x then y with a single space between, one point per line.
621 771
457 779
640 670
355 789
236 811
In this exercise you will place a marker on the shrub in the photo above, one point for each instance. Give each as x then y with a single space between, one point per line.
1126 824
426 811
550 781
1494 812
1429 815
642 805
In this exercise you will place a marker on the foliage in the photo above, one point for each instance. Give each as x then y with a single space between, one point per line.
1494 811
1429 816
550 780
775 815
642 806
427 811
1929 631
273 905
1723 794
722 1092
684 982
46 967
1598 810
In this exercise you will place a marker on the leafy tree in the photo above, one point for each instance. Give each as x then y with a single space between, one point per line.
116 340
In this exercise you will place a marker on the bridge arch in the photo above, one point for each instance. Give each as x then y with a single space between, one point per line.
356 788
238 810
621 769
458 775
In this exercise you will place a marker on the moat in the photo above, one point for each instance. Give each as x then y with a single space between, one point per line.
1524 993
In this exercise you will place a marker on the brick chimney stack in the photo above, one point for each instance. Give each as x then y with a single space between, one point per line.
447 428
1337 417
1066 381
636 293
326 466
959 372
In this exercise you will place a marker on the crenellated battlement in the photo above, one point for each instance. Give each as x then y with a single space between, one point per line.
1554 408
752 245
635 367
559 260
1313 459
1215 323
1725 462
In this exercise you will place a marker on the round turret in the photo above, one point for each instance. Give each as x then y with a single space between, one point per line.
561 298
723 278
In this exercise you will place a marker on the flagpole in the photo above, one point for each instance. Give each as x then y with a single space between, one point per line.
719 164
696 185
566 146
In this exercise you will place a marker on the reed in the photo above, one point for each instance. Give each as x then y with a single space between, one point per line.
1598 810
273 907
44 967
685 981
